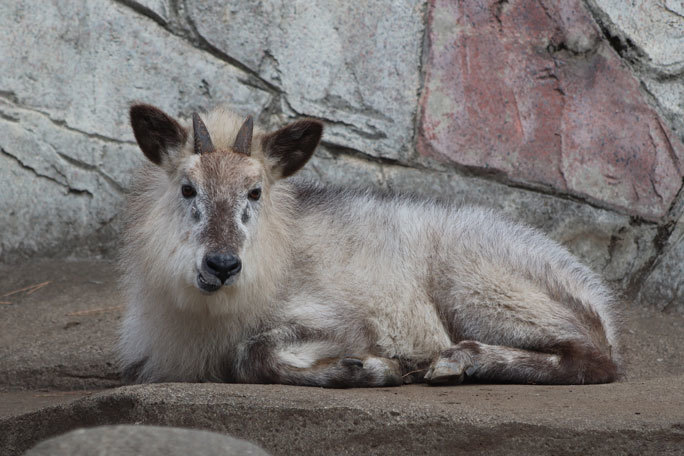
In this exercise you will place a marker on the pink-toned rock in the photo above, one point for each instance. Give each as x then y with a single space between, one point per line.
531 90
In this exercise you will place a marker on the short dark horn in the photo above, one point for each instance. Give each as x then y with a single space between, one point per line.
203 144
243 141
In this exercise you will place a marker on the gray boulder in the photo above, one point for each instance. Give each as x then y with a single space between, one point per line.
125 440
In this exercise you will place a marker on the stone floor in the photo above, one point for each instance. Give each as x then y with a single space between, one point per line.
58 372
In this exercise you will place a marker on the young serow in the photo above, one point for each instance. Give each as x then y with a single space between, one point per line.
234 273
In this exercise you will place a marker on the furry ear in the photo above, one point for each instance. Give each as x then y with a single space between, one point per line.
289 148
155 131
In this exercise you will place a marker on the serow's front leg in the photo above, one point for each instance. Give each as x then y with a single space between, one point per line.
299 356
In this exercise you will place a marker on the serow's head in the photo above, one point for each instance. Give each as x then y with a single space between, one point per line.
219 179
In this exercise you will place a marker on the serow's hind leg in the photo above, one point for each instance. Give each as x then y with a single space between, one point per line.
569 362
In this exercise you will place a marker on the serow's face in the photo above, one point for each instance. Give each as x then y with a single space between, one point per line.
219 193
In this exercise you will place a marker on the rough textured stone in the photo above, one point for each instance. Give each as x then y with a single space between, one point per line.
354 64
669 92
664 287
66 186
622 418
530 90
654 26
159 10
648 35
127 58
343 170
127 440
66 143
63 335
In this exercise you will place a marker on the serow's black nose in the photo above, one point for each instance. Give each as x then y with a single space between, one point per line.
222 266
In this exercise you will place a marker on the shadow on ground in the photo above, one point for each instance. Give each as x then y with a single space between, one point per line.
58 372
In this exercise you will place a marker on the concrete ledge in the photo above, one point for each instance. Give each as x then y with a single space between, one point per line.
623 418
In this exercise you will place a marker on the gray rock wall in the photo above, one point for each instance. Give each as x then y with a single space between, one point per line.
370 71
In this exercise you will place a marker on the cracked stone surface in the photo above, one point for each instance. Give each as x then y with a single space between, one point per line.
114 56
161 10
65 91
66 185
353 64
654 26
664 287
669 92
648 35
532 90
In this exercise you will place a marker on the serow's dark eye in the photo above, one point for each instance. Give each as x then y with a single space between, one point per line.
254 194
187 191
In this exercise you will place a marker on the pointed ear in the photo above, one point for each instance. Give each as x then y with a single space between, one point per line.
289 148
155 131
